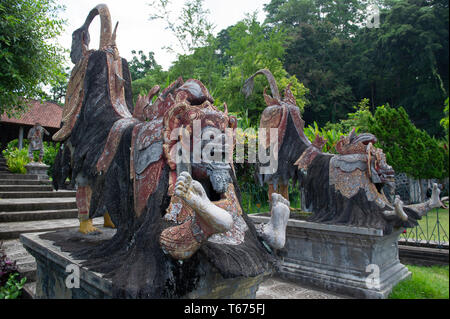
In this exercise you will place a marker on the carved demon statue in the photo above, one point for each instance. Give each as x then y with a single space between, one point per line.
124 162
344 188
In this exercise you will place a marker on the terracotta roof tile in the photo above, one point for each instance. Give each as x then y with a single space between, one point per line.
47 114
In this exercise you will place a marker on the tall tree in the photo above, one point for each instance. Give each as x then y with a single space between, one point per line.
253 46
29 59
191 26
141 64
406 60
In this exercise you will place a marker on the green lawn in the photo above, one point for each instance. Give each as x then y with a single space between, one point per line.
425 283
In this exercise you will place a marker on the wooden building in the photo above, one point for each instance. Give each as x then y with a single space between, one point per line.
48 114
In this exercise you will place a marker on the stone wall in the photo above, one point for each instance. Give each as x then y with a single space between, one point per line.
410 191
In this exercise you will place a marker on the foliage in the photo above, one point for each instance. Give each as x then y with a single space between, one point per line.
58 90
141 65
407 148
251 46
17 159
341 61
13 287
444 120
425 283
405 61
332 136
190 27
225 61
359 119
29 59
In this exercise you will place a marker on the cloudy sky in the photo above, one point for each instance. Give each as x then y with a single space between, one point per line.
136 32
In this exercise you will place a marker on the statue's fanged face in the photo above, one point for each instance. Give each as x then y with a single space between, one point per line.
199 139
380 172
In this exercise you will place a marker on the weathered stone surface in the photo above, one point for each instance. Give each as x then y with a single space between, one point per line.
336 258
38 169
52 263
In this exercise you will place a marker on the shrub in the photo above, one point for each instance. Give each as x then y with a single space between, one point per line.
13 287
407 148
17 159
332 135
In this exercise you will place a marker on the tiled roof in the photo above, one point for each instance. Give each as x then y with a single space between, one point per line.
48 114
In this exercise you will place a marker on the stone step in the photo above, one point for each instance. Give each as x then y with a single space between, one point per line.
9 176
38 194
25 188
14 229
22 216
28 204
24 182
29 290
26 264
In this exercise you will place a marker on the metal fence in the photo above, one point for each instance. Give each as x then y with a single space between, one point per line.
433 228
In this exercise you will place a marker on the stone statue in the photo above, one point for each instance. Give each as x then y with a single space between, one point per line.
344 188
116 77
35 135
172 217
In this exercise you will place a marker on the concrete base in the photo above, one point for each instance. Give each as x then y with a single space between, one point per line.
52 275
38 169
354 261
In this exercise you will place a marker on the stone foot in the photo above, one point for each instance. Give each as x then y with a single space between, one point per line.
194 195
274 232
87 227
107 221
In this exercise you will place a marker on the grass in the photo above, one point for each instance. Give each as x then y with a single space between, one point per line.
425 283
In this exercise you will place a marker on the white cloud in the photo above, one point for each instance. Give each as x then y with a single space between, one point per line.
136 32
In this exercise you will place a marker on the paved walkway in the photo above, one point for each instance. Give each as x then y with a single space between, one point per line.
277 288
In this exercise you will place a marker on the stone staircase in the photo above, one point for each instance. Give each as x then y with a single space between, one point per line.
3 167
28 204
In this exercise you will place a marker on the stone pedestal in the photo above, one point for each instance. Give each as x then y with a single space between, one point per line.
355 261
38 169
52 277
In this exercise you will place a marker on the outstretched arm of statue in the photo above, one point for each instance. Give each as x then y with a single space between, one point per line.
433 202
421 209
